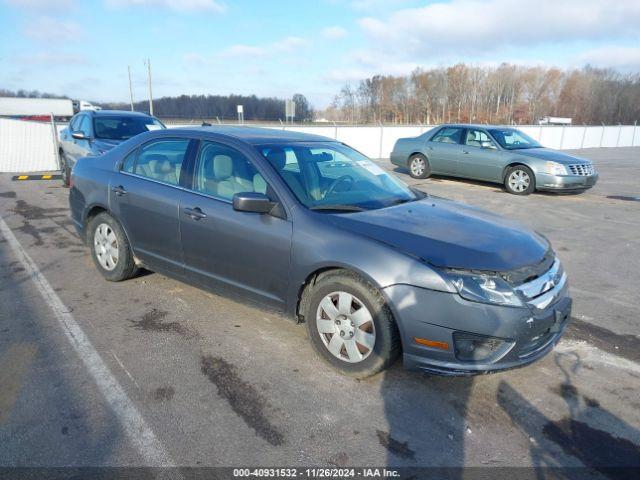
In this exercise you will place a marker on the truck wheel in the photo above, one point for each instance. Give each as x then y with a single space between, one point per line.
110 248
419 166
519 180
349 324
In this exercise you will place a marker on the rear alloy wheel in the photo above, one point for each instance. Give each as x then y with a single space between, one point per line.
110 249
520 180
349 324
419 166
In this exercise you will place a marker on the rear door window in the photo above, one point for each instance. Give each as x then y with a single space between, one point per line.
448 135
160 160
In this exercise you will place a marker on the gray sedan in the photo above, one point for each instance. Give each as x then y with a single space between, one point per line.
308 226
494 154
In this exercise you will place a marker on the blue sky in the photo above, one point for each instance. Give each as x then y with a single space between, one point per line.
282 47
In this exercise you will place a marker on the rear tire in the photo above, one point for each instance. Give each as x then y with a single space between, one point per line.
519 180
419 166
110 248
65 171
357 336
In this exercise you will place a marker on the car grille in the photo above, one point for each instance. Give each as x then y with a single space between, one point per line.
544 290
583 169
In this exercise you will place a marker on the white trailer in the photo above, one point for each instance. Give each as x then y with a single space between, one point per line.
36 108
554 121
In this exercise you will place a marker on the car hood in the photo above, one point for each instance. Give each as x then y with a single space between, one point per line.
105 145
449 234
552 156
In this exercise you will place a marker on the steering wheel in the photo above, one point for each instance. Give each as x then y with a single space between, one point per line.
337 182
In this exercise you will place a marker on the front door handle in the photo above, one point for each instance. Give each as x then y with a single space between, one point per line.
465 151
195 213
119 190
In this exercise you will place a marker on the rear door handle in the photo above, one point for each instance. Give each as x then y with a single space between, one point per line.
195 213
119 190
465 151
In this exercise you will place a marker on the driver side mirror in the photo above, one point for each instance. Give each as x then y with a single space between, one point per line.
79 136
488 145
256 203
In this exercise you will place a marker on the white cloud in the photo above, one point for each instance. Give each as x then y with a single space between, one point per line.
334 33
622 58
213 6
284 45
481 25
49 29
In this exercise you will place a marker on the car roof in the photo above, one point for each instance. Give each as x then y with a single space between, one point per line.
115 113
475 125
252 135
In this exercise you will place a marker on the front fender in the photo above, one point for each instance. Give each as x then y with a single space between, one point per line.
380 264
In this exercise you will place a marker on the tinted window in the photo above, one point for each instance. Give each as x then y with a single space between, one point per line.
75 123
448 135
85 126
222 172
162 160
478 138
123 127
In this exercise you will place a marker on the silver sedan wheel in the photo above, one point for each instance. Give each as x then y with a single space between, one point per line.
519 180
346 327
105 245
417 166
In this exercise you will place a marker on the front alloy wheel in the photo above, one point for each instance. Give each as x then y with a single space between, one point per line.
520 181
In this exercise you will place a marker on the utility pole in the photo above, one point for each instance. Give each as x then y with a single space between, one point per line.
130 88
150 93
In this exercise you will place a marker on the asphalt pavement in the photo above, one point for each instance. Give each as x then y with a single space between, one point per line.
153 371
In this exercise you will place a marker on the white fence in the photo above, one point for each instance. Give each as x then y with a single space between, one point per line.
30 146
377 142
27 146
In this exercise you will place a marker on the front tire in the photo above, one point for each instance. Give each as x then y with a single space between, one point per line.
65 170
519 180
110 248
350 326
419 166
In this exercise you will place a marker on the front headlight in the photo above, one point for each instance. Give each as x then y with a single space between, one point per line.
485 289
554 168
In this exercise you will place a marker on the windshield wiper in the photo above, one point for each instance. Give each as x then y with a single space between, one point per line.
338 207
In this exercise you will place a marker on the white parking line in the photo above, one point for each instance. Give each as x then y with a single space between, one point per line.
132 422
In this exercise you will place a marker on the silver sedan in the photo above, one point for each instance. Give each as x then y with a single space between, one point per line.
495 154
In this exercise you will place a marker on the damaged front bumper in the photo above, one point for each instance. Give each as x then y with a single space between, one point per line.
445 334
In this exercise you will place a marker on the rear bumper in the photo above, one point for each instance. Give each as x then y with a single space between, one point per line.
528 333
398 159
548 182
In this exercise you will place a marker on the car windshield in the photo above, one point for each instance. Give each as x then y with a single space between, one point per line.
513 139
333 177
124 127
